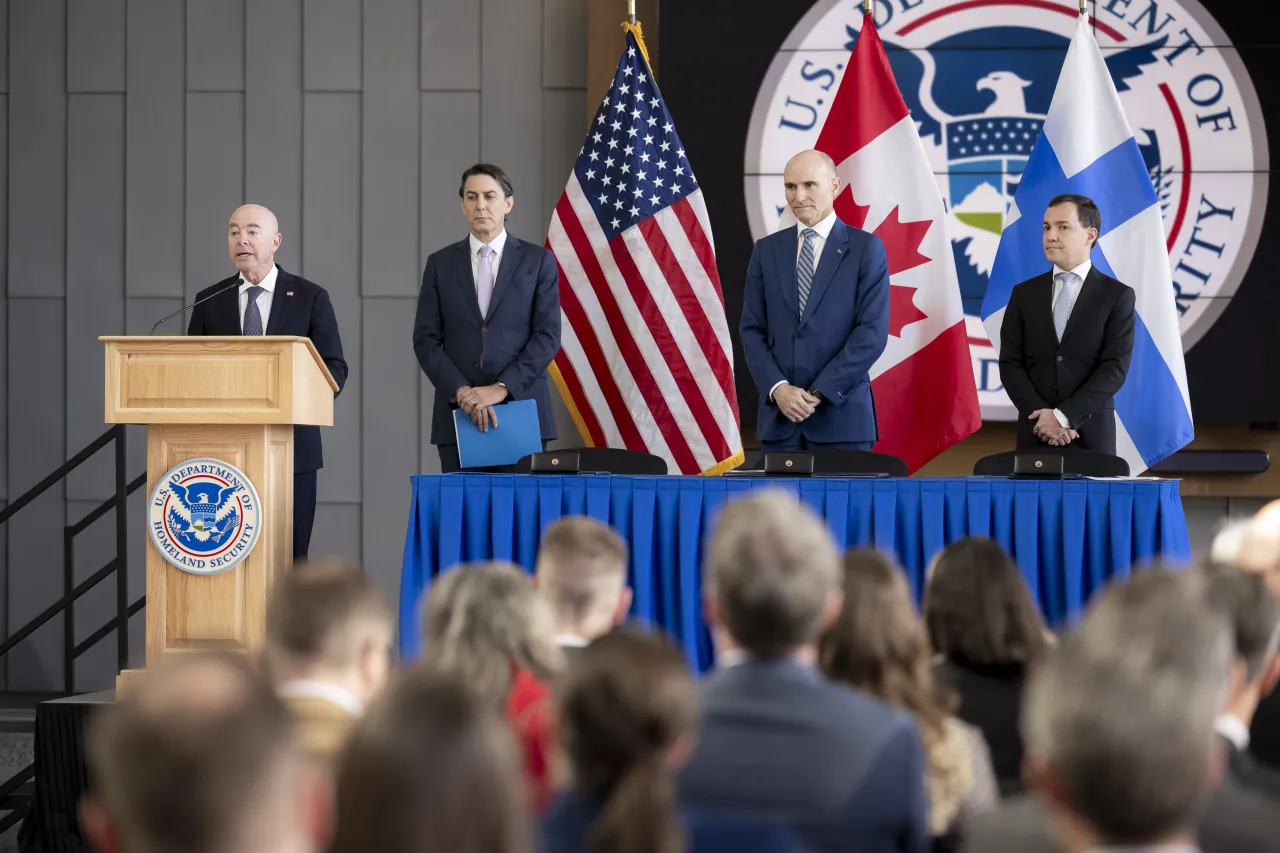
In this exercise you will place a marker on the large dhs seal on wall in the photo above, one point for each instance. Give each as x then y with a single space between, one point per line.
978 76
204 516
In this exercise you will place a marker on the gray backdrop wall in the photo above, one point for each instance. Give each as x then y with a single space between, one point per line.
130 129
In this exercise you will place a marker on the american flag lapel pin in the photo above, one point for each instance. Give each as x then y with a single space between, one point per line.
288 293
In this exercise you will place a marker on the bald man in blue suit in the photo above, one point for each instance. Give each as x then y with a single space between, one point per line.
815 317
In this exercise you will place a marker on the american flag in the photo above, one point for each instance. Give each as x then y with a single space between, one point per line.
646 362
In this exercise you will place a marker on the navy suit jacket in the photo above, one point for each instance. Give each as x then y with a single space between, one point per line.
567 824
298 307
844 330
514 344
841 770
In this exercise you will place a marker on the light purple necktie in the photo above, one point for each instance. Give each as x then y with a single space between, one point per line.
484 279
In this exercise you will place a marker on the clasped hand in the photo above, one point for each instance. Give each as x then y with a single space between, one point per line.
478 403
795 403
1048 430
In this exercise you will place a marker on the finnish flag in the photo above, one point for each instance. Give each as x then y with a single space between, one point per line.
1087 147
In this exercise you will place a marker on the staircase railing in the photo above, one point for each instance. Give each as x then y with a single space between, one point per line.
10 796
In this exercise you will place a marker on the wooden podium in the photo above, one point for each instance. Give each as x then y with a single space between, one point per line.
235 399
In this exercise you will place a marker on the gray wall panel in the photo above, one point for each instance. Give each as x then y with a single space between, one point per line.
273 118
337 532
331 45
331 258
451 44
511 74
564 45
215 184
95 45
4 45
155 149
428 456
37 146
450 145
563 133
95 274
215 45
37 415
4 273
390 436
93 548
389 199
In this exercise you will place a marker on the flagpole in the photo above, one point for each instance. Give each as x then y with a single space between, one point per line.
1084 7
866 6
631 11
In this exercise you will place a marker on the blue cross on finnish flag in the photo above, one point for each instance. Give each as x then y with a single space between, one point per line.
1087 147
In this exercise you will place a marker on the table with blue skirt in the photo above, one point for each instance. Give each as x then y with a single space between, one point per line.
1069 537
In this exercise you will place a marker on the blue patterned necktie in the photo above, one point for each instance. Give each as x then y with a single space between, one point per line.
252 316
804 270
1062 305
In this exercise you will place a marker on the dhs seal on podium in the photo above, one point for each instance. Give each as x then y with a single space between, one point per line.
204 516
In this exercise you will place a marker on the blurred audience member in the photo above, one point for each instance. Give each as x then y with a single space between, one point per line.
1227 542
987 632
487 623
1251 608
431 769
843 769
878 645
1119 726
328 650
628 717
1259 552
200 758
582 571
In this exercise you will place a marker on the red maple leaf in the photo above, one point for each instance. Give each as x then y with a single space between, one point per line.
902 241
902 309
849 211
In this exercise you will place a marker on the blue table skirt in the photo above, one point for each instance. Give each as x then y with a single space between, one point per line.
1069 537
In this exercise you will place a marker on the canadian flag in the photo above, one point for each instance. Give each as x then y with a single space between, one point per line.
926 399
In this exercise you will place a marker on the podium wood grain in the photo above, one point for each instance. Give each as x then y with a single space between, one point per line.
234 399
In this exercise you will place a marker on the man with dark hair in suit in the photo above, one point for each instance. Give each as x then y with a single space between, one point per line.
488 320
779 742
1067 337
271 301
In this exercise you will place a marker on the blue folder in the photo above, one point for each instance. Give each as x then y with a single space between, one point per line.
517 435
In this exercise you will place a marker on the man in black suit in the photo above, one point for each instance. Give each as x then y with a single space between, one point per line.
1067 337
270 301
488 320
841 769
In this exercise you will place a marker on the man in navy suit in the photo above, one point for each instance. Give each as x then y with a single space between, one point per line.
815 317
270 301
778 742
488 317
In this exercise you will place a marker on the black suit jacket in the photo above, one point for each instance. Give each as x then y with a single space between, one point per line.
842 770
514 344
1079 376
1252 774
298 307
991 701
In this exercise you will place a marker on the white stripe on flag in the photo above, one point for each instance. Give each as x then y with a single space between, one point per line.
682 334
1128 451
699 205
1085 118
696 273
640 332
590 387
576 277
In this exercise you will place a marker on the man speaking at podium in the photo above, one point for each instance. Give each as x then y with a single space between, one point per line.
815 317
1067 337
270 301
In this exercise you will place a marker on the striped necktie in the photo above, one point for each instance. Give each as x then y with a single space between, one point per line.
804 270
252 316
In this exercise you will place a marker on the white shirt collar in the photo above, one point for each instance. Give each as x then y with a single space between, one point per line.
731 657
823 228
268 284
1082 270
304 688
1233 729
571 641
497 243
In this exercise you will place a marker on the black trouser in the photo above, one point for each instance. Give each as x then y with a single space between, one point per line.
304 512
449 463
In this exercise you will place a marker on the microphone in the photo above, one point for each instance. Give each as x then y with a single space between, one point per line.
235 283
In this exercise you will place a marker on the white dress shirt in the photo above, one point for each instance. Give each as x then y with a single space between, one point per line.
570 641
332 693
497 244
1233 729
265 298
819 241
1083 272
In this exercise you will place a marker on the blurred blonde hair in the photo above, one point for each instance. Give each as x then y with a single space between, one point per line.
485 621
